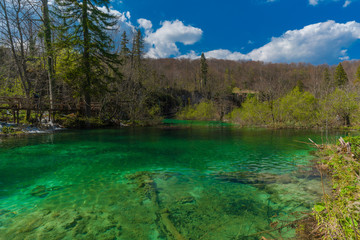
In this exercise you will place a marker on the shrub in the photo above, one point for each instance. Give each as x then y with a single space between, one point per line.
203 111
297 108
252 113
7 130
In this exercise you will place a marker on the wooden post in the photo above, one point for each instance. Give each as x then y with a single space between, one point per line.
17 116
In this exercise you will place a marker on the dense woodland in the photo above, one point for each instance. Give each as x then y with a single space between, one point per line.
74 54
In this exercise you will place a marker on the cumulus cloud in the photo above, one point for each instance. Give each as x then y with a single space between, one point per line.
162 42
124 22
144 23
313 43
316 43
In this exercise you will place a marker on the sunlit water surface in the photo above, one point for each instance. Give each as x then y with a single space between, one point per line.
178 181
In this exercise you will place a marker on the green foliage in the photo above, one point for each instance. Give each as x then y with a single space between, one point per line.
138 49
124 50
7 130
85 36
203 70
297 108
339 105
78 122
252 113
355 145
203 111
12 88
338 214
340 76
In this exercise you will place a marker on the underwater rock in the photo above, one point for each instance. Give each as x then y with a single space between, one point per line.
39 191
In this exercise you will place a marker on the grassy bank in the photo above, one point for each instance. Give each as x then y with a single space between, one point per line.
337 216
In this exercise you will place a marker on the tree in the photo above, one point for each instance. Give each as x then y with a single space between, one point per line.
340 76
340 105
138 49
124 51
296 108
16 17
300 85
203 70
357 75
48 51
88 26
326 77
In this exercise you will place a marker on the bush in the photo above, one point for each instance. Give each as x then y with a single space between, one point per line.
203 111
78 122
339 108
7 130
252 113
297 108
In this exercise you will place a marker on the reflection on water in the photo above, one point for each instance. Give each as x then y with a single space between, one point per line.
170 182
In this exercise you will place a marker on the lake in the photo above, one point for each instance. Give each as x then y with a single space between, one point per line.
182 180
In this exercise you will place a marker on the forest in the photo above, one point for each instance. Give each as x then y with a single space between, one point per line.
74 62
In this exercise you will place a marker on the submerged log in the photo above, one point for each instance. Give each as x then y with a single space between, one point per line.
147 188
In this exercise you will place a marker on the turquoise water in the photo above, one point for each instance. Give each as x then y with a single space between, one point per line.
202 181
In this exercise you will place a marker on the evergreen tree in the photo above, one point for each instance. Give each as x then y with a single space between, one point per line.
138 49
124 51
300 85
88 28
340 76
203 70
48 51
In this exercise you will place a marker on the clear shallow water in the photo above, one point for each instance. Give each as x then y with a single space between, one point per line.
208 181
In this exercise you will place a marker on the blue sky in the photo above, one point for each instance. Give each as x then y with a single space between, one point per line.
314 31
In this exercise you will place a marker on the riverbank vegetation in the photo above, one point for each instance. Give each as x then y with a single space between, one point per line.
52 64
337 216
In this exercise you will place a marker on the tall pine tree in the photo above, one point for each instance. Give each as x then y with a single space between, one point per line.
203 70
138 49
88 25
124 50
340 76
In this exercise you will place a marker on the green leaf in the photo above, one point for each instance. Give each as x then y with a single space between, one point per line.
319 207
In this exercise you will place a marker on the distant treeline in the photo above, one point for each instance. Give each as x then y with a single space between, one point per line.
47 53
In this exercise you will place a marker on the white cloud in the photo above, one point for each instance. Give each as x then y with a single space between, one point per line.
347 3
316 43
163 41
218 54
144 23
316 2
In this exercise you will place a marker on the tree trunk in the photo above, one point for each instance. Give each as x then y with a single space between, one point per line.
48 53
347 120
86 59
